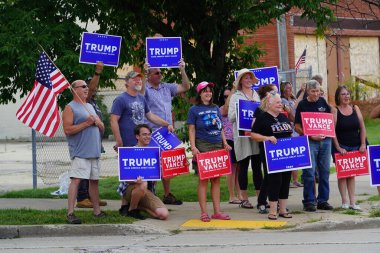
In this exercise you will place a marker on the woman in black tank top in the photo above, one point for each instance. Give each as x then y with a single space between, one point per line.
350 136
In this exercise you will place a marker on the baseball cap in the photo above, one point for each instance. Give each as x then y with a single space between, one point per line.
203 85
132 74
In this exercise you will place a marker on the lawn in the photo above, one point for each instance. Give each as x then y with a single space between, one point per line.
373 131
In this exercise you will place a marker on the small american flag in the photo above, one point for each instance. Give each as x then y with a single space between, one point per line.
301 60
40 110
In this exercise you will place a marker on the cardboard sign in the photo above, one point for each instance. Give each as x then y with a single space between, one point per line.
163 52
287 154
97 47
165 139
351 164
214 164
266 75
374 164
246 110
174 162
315 123
139 161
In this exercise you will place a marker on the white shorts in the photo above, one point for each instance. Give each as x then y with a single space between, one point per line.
85 168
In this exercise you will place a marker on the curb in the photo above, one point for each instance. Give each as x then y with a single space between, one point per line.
361 223
10 232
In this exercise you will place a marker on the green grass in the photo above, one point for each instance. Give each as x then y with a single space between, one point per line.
373 129
375 213
36 217
184 187
374 198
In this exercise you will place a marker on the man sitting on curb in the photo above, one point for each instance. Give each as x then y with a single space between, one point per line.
136 193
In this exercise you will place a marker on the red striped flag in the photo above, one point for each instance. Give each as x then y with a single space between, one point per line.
301 60
40 110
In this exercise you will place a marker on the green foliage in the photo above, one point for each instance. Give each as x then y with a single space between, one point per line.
209 31
373 128
358 91
38 217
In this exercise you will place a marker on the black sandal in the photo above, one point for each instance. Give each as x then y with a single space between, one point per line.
246 204
285 215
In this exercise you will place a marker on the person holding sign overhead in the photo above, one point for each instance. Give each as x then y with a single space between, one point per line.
320 151
350 136
159 96
136 193
246 150
206 134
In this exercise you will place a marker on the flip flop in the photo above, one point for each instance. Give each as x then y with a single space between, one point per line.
220 216
235 201
285 215
272 216
205 217
246 204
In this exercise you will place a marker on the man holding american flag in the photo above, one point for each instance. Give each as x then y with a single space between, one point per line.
83 128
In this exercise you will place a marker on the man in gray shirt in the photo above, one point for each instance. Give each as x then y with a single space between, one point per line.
82 128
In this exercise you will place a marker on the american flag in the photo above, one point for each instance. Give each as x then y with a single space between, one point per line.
301 60
40 110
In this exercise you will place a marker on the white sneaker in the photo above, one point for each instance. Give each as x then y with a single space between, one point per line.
345 206
355 207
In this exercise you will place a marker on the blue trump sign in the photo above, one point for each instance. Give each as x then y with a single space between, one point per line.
97 47
266 75
287 154
164 139
163 52
374 164
246 110
137 162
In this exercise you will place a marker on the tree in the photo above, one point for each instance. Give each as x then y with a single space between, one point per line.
209 30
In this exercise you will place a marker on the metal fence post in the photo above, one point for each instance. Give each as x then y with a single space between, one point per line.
34 158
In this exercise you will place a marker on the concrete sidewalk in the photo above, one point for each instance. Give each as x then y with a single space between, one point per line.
16 174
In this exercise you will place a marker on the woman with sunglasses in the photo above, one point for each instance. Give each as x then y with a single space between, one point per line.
350 136
206 134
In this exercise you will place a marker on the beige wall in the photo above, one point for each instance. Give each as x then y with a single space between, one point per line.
364 57
315 54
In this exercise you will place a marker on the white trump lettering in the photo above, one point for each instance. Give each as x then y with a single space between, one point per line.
128 162
287 151
352 163
214 163
247 113
164 51
318 123
377 161
162 141
174 161
100 48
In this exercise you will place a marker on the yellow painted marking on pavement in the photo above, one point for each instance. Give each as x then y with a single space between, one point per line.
234 224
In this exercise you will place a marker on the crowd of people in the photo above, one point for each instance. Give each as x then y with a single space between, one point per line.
146 105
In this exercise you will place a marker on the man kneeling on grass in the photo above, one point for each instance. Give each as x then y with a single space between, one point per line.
136 193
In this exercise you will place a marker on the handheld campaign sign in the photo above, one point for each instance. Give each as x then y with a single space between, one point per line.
100 47
266 75
351 164
246 109
315 123
241 133
214 164
287 154
163 52
374 164
174 162
164 139
139 161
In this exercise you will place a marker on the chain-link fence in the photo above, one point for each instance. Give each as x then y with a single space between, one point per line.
53 153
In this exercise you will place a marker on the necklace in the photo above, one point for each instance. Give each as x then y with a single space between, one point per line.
250 99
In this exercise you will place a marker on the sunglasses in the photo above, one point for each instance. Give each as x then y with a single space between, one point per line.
83 86
157 73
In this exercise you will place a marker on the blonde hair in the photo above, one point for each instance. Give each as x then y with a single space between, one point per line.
268 100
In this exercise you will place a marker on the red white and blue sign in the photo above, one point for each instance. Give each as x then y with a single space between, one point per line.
214 164
163 52
287 154
351 164
174 162
266 75
137 162
246 110
318 123
97 47
165 139
374 164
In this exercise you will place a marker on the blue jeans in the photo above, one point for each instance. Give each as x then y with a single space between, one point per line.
320 152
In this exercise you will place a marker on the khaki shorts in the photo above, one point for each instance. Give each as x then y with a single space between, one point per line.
85 168
149 201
